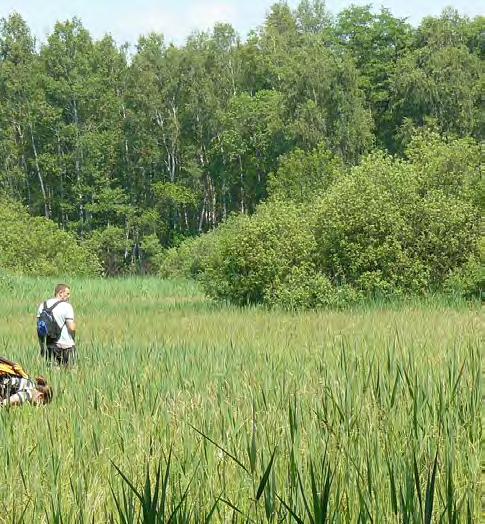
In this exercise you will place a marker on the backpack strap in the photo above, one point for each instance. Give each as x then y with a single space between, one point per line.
53 305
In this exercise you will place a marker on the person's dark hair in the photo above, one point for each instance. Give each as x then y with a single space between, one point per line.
45 389
59 288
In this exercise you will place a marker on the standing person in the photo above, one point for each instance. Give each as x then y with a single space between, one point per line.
56 327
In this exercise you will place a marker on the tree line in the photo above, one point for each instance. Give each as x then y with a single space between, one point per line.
133 152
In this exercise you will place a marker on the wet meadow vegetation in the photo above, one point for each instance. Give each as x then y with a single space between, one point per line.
184 410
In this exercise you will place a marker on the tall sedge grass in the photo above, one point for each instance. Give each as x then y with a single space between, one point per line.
180 410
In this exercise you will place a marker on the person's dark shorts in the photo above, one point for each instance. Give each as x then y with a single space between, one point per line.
61 356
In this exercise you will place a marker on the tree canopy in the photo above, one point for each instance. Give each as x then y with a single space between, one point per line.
140 150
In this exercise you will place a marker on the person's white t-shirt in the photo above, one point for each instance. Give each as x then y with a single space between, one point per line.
62 312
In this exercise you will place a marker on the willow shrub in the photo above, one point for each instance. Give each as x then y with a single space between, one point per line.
302 175
363 232
36 246
305 287
189 259
378 231
253 253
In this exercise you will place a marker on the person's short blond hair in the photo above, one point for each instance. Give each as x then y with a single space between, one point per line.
59 288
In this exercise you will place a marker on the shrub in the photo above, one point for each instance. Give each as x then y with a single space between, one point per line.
468 280
380 232
306 288
389 227
111 247
446 231
451 166
303 175
252 253
36 246
151 254
362 230
188 259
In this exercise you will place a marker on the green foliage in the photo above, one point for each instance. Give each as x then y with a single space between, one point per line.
468 280
177 195
376 41
324 101
446 234
442 83
390 227
306 288
152 253
394 226
188 259
172 140
36 246
301 175
252 139
449 29
451 166
363 231
109 205
112 248
250 254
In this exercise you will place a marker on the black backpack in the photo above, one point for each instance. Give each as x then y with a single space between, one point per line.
47 328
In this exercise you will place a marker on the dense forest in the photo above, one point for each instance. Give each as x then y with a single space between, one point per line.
133 150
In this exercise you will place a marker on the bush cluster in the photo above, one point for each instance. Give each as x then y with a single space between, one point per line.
36 246
252 254
188 260
387 228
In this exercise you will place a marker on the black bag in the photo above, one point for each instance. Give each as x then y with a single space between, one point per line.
48 330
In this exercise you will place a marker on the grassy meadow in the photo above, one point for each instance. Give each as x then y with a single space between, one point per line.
182 410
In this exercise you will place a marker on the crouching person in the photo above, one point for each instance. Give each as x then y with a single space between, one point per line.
17 388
